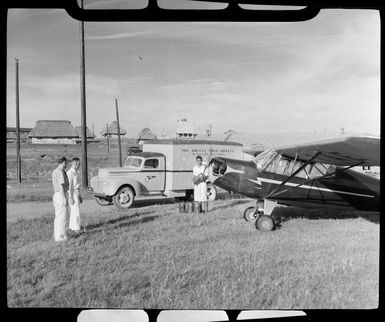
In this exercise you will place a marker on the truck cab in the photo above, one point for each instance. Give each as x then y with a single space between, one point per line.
143 174
149 170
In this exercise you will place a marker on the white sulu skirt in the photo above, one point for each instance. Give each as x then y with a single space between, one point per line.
200 192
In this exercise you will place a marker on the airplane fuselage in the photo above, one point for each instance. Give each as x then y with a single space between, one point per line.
345 189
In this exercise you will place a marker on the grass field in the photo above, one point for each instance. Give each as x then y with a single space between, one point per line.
155 257
38 162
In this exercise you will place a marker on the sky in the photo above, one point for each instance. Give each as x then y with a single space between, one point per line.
321 74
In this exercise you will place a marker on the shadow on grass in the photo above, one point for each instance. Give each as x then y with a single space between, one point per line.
291 213
140 220
118 220
232 203
124 221
150 202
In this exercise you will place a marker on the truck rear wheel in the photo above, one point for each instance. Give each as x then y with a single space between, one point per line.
124 198
211 192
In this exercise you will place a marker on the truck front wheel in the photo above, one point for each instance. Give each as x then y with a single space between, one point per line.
124 198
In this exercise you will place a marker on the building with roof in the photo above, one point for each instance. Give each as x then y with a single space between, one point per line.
78 130
112 129
145 135
11 134
53 132
90 135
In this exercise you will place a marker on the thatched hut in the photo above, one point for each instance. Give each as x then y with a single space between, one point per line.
145 135
53 132
112 130
11 134
78 130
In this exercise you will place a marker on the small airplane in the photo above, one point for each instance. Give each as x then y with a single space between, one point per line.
311 175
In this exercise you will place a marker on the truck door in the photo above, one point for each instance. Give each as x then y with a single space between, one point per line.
154 174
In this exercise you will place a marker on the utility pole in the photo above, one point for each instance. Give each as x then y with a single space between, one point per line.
117 121
108 139
83 105
93 130
18 128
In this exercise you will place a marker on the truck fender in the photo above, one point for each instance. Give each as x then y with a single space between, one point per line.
114 186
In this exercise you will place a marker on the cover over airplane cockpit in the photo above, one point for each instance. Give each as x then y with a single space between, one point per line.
273 162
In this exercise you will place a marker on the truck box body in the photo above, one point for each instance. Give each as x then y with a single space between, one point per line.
164 168
181 157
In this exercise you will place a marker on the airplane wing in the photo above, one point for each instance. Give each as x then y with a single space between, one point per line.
344 151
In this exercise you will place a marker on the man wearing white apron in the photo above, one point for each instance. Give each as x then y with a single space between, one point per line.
60 200
200 189
74 196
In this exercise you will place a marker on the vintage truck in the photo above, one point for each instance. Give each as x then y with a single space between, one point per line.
162 170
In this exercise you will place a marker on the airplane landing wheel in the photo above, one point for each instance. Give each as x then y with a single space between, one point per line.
264 223
211 192
249 214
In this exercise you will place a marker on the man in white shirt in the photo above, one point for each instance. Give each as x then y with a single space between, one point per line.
74 196
60 199
199 178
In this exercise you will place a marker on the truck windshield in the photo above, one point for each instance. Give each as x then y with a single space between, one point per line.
133 162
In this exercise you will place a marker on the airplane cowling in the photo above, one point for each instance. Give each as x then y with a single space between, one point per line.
219 166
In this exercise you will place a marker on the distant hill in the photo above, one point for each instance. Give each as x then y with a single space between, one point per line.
269 140
265 140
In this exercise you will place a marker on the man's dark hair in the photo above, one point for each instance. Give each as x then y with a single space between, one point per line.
75 159
61 160
198 158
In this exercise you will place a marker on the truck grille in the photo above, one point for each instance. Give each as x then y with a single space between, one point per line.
97 184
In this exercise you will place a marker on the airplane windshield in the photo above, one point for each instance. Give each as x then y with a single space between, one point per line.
271 161
263 159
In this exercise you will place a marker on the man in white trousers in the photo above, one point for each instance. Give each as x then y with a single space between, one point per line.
60 199
74 196
200 188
